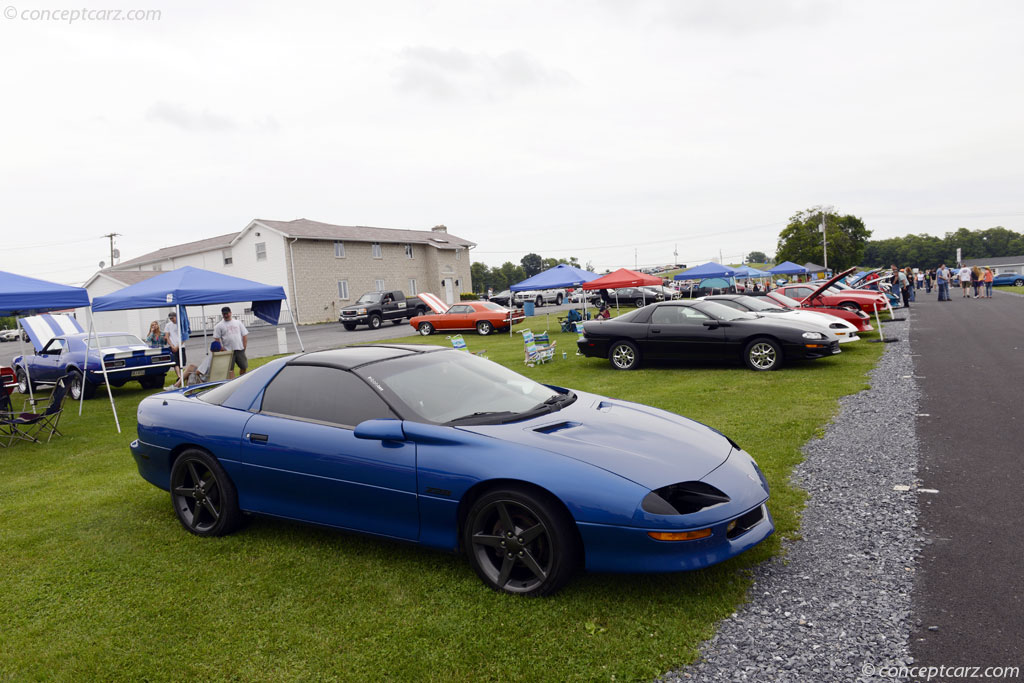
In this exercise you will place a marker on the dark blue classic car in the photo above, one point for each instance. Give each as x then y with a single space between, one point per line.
1004 279
127 358
448 450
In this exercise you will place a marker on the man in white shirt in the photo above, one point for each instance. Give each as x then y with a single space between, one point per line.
233 336
172 337
965 281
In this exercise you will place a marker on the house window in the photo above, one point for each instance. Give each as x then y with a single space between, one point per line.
227 257
157 267
379 284
342 288
408 251
377 253
458 254
261 251
339 250
412 287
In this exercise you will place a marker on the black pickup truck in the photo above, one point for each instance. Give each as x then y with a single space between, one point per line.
373 308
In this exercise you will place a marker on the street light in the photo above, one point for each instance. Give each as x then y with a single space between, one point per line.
824 241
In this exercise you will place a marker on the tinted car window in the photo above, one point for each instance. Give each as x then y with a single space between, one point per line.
798 292
222 392
324 395
460 309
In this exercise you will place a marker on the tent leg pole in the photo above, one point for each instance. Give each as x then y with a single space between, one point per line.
28 375
181 346
294 326
88 338
103 367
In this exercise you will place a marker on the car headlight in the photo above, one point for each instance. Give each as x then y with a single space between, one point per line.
813 335
361 311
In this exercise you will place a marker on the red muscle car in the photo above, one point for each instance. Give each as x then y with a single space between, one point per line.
824 294
482 316
859 319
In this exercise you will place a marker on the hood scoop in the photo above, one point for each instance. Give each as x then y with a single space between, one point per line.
557 427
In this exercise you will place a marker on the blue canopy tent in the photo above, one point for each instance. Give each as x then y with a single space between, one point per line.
562 275
750 271
707 270
188 286
788 268
27 296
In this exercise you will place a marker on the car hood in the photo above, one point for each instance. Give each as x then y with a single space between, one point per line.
828 283
646 445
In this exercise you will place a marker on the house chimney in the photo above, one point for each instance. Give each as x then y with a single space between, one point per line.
439 228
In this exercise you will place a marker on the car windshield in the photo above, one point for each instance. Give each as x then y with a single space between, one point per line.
369 298
759 304
785 300
116 340
455 387
721 312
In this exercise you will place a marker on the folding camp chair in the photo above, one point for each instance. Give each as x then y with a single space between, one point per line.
459 344
220 366
28 426
579 335
534 353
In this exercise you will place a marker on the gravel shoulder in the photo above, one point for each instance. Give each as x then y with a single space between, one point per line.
836 605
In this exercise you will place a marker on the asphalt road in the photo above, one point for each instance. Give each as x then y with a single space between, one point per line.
970 363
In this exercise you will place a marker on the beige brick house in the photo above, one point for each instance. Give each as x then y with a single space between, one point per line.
323 267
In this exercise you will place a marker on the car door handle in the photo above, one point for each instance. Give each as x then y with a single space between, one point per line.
655 331
258 438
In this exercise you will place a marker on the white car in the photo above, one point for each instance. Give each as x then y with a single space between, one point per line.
834 327
9 335
542 296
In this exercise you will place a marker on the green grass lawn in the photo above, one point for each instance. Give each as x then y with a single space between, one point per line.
100 582
1011 289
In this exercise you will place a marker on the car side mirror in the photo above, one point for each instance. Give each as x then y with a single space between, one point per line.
380 430
711 324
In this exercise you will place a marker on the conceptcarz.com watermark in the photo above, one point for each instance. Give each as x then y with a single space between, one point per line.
71 16
942 673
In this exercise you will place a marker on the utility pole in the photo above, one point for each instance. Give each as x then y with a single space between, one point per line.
824 241
675 256
111 237
634 259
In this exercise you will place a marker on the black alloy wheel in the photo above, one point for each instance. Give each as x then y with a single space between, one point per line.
624 355
426 329
203 496
375 322
349 326
763 354
152 382
484 328
520 542
558 300
539 301
396 321
639 302
1018 283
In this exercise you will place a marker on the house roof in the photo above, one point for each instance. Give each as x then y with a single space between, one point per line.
125 277
1000 261
307 229
813 267
219 242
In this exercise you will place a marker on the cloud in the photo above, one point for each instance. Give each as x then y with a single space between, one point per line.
180 117
749 17
454 74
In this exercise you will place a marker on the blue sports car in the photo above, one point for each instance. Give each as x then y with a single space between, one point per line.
126 356
445 449
1004 279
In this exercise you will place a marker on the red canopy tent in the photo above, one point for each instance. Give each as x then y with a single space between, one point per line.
623 277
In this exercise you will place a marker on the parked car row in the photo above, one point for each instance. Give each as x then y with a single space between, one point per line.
761 331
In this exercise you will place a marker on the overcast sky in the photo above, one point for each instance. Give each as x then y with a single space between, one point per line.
588 129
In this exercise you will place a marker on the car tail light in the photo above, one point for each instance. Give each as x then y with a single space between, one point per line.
113 364
161 359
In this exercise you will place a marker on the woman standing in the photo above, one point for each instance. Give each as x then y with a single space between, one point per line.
155 338
987 277
975 280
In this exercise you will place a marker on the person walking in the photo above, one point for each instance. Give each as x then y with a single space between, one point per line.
910 282
965 281
929 278
987 279
920 278
942 280
904 286
233 336
172 337
976 280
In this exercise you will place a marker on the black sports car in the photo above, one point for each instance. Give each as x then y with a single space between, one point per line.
504 298
702 330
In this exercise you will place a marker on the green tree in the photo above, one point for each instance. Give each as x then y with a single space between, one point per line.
757 257
481 275
508 275
532 264
801 240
